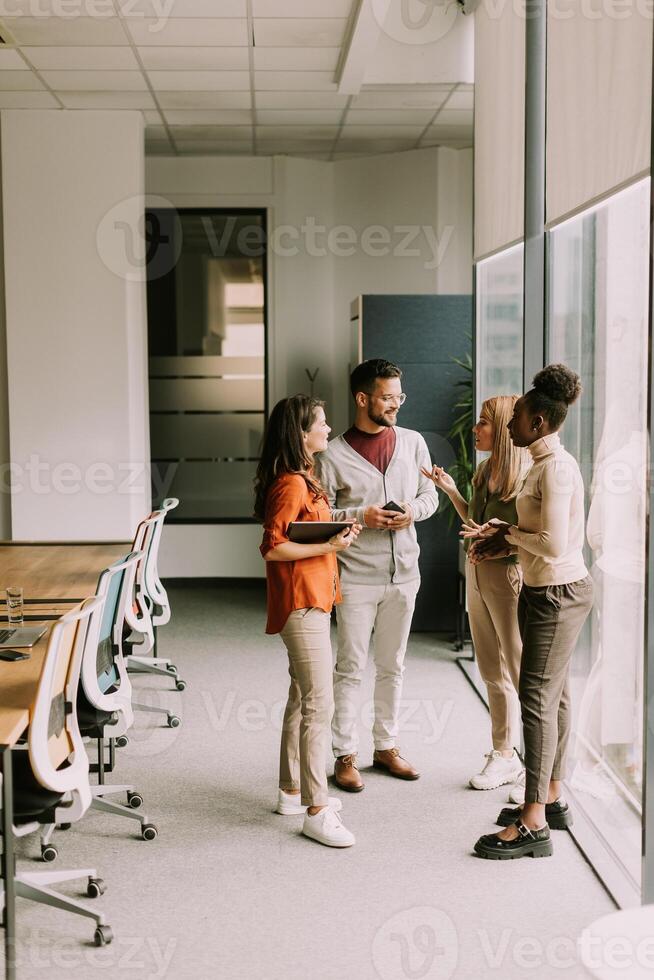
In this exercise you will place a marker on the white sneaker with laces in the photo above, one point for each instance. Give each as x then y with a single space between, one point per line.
497 771
327 828
517 794
289 804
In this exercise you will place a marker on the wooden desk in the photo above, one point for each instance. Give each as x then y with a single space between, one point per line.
56 571
46 572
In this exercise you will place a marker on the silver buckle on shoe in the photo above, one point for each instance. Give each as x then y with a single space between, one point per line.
522 830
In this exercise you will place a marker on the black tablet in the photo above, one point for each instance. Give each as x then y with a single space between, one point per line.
315 532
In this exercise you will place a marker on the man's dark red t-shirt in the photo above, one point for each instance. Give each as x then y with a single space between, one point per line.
377 448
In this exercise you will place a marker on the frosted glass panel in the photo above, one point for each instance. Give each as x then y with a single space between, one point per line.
206 327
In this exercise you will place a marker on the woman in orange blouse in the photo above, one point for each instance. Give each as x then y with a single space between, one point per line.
302 587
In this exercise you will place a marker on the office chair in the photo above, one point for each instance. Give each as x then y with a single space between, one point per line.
151 609
51 772
104 697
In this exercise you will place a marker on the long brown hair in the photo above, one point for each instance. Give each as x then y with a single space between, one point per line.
507 466
283 449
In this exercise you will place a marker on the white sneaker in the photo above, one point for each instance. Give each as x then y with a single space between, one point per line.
327 828
289 804
517 794
497 771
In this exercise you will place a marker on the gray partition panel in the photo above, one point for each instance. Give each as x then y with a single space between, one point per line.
422 334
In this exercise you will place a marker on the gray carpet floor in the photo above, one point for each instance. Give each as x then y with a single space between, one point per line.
230 889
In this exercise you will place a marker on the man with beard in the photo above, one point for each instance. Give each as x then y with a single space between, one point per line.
372 464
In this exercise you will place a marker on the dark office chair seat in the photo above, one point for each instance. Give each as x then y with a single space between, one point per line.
92 721
31 800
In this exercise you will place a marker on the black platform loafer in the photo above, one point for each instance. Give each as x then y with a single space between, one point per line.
529 843
558 815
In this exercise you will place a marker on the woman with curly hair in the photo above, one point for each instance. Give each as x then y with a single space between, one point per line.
302 587
492 587
555 600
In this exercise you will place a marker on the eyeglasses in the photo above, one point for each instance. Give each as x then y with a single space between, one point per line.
389 399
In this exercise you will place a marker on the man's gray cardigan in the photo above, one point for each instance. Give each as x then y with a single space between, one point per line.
353 484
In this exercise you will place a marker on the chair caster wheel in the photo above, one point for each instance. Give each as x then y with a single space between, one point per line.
174 721
103 936
49 853
64 826
95 887
135 800
122 741
149 831
181 685
172 668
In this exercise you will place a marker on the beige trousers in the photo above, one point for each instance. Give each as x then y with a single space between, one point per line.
383 612
492 589
305 730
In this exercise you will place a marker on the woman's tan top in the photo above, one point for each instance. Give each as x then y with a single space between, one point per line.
550 506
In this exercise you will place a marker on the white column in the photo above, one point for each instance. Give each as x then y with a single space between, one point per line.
73 186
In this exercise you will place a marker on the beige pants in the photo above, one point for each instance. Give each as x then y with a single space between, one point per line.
385 611
492 589
305 731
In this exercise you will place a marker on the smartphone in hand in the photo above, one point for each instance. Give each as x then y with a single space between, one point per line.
391 505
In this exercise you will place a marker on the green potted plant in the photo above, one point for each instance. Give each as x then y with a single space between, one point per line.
463 467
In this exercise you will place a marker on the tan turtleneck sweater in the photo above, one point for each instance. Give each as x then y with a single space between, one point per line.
550 506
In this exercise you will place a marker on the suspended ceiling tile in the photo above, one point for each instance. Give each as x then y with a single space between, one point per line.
80 58
194 59
10 59
107 100
374 146
300 100
301 8
19 81
461 100
152 117
291 146
404 117
214 148
211 132
296 59
94 81
65 30
310 32
171 99
155 133
189 31
298 117
382 132
300 81
297 132
215 117
182 8
201 81
28 100
402 98
454 117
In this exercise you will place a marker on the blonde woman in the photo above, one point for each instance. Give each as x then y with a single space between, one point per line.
493 587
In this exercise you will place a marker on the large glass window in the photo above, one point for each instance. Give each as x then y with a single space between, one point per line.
207 341
499 288
597 309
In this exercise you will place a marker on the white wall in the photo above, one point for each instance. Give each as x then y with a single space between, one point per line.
76 323
416 210
322 254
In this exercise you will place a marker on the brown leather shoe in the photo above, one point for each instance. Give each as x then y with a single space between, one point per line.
392 762
346 774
